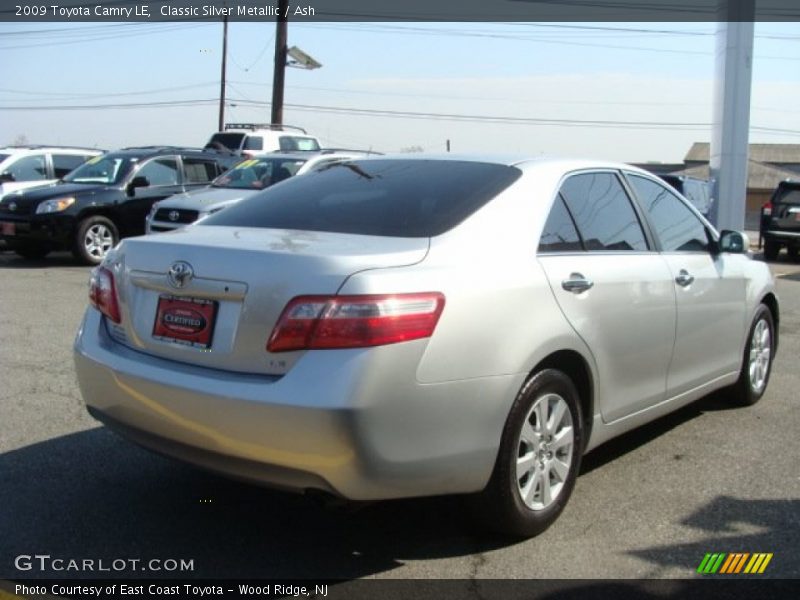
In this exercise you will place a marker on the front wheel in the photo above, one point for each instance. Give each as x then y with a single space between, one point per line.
94 238
757 361
539 457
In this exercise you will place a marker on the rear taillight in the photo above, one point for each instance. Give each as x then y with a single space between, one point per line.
766 210
325 322
103 293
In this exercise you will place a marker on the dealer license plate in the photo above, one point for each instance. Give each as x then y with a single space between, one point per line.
187 321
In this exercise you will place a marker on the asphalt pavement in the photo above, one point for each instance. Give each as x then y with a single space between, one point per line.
709 478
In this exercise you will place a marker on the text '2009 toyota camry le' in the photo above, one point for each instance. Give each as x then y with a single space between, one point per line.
397 327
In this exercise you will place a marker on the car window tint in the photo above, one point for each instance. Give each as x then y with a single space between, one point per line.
198 170
162 171
559 233
28 168
288 143
225 141
787 195
676 226
254 142
396 198
64 163
603 212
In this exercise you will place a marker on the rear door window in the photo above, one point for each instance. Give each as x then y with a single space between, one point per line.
396 198
603 213
28 168
199 170
677 227
559 233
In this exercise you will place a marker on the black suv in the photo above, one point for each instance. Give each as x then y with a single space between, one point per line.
103 200
780 221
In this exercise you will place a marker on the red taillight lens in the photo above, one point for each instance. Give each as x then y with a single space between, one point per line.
103 293
322 322
766 210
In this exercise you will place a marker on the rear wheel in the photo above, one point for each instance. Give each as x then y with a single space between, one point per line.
94 238
794 252
757 361
539 458
771 249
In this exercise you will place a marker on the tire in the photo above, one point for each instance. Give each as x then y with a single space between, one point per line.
32 251
94 237
771 250
794 253
759 352
534 475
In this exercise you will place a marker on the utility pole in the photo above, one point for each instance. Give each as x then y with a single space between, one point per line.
222 75
279 71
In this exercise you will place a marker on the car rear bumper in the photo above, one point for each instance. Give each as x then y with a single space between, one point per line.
356 424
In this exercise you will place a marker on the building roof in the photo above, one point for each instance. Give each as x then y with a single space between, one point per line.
759 175
762 153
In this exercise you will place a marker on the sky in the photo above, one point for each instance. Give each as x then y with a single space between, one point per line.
633 92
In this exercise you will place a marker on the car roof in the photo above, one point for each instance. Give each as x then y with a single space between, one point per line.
44 147
140 151
520 161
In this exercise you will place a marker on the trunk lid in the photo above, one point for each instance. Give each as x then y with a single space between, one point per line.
241 280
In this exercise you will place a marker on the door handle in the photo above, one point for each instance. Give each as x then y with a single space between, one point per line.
577 283
684 279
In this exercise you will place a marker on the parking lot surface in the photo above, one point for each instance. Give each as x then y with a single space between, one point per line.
709 478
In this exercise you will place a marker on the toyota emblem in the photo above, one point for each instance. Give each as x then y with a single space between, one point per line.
180 274
173 215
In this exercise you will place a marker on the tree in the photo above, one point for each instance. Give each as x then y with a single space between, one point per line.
20 140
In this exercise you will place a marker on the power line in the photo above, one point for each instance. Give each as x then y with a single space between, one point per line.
493 119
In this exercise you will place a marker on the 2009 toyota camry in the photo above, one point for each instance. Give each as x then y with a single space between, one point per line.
398 327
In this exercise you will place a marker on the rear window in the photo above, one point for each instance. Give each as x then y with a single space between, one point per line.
394 198
787 195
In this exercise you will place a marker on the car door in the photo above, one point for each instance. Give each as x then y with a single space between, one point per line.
710 289
163 179
614 289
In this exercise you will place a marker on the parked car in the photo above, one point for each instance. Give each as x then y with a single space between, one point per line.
780 221
251 139
244 179
397 327
103 200
696 191
23 167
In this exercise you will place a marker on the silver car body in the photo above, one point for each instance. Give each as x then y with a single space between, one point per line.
421 417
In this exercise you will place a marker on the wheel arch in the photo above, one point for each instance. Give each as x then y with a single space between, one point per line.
576 367
771 302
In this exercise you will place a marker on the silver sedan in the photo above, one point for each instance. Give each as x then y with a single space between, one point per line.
398 327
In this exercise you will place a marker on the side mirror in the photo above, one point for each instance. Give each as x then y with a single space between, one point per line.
6 177
137 182
733 242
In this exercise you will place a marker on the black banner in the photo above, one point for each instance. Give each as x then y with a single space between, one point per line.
396 589
401 10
